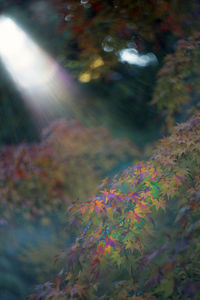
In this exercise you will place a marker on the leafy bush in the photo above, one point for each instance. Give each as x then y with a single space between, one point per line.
38 179
128 247
177 91
38 182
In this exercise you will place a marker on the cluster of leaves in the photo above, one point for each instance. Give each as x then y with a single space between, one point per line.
101 29
177 89
38 179
89 153
27 183
124 206
37 183
128 248
177 272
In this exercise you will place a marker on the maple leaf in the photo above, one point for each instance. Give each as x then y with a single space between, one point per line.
129 245
116 258
99 206
133 216
76 290
159 204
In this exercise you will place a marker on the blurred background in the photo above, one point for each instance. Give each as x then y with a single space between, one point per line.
81 97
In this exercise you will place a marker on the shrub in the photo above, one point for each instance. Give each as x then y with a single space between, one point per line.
38 182
128 247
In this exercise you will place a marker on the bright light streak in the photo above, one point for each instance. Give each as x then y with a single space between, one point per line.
132 56
27 63
37 75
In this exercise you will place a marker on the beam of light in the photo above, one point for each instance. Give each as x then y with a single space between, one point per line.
36 74
132 56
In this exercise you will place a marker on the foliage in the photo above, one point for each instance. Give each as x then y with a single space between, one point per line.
177 88
179 155
139 235
130 249
38 181
89 150
101 29
91 36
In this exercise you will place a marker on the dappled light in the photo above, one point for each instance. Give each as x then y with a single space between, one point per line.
132 56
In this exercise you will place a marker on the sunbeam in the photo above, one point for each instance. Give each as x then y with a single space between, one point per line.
40 79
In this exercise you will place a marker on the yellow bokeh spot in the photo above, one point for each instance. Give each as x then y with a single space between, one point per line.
98 62
85 77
